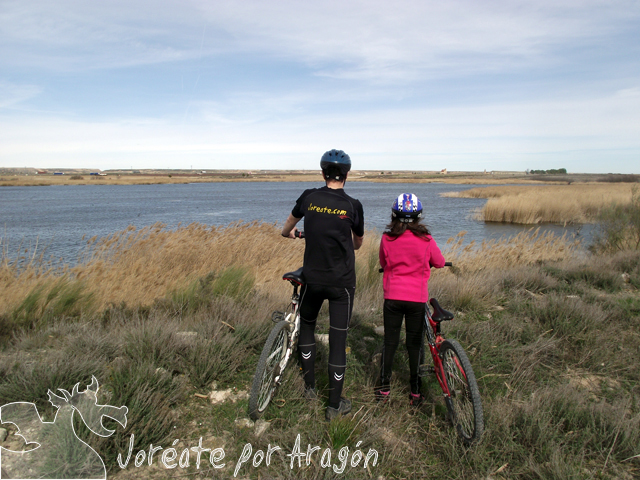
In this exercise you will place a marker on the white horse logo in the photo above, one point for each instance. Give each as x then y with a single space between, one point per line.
53 449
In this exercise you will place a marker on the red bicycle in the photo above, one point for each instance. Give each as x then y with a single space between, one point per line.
455 375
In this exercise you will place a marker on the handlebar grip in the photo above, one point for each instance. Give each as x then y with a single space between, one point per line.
299 234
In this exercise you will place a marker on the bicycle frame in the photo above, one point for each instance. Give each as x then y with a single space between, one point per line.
434 339
293 318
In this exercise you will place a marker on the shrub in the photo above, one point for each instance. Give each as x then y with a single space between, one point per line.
619 226
532 279
594 274
49 300
216 359
568 317
22 380
234 282
149 394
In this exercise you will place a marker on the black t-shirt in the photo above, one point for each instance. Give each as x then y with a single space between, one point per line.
330 217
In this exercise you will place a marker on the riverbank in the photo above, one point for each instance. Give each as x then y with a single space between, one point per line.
170 321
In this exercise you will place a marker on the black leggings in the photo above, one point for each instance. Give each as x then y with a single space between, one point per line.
340 308
413 313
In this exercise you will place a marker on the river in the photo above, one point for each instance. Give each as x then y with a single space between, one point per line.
55 219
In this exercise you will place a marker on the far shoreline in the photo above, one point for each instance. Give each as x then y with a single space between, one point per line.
32 177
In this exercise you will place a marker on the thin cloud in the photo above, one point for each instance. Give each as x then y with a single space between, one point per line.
374 40
76 35
13 94
369 40
255 81
517 131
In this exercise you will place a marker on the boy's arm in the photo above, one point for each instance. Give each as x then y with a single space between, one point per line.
288 229
357 241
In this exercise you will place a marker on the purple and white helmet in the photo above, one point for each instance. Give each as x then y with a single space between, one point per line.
407 208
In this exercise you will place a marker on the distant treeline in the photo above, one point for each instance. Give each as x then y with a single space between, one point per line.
553 171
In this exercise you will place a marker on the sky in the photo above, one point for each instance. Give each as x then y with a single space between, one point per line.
465 85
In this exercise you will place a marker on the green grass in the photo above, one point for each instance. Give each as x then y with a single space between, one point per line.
46 303
234 283
555 348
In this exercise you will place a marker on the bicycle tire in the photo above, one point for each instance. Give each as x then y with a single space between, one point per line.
269 369
464 404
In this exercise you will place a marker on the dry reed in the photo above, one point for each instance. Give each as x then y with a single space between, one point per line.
561 204
144 265
526 248
138 267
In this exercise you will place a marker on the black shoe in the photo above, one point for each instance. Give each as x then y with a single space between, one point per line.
343 409
310 393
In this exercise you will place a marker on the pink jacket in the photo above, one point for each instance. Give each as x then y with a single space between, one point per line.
407 263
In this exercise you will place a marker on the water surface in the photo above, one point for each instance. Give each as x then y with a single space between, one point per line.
58 217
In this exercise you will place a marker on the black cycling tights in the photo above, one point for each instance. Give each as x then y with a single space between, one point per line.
340 307
413 313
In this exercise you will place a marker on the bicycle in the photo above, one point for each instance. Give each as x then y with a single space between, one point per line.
278 349
454 374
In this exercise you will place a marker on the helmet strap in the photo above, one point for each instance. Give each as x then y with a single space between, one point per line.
334 177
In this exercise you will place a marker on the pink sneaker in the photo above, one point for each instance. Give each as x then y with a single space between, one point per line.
382 396
416 399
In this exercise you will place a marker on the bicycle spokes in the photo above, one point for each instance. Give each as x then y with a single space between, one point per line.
463 401
268 375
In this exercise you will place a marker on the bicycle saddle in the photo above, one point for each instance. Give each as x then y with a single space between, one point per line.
296 277
439 313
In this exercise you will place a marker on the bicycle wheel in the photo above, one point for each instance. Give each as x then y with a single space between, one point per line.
269 370
464 404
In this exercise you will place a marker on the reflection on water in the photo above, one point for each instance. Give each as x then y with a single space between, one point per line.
57 217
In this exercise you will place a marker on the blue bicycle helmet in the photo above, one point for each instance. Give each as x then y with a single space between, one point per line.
407 208
335 160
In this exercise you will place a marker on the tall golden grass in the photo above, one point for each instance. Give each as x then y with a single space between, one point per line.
561 204
138 267
525 248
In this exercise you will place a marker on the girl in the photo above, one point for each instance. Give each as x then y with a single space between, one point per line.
407 253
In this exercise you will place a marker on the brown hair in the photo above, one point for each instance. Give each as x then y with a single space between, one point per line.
397 228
